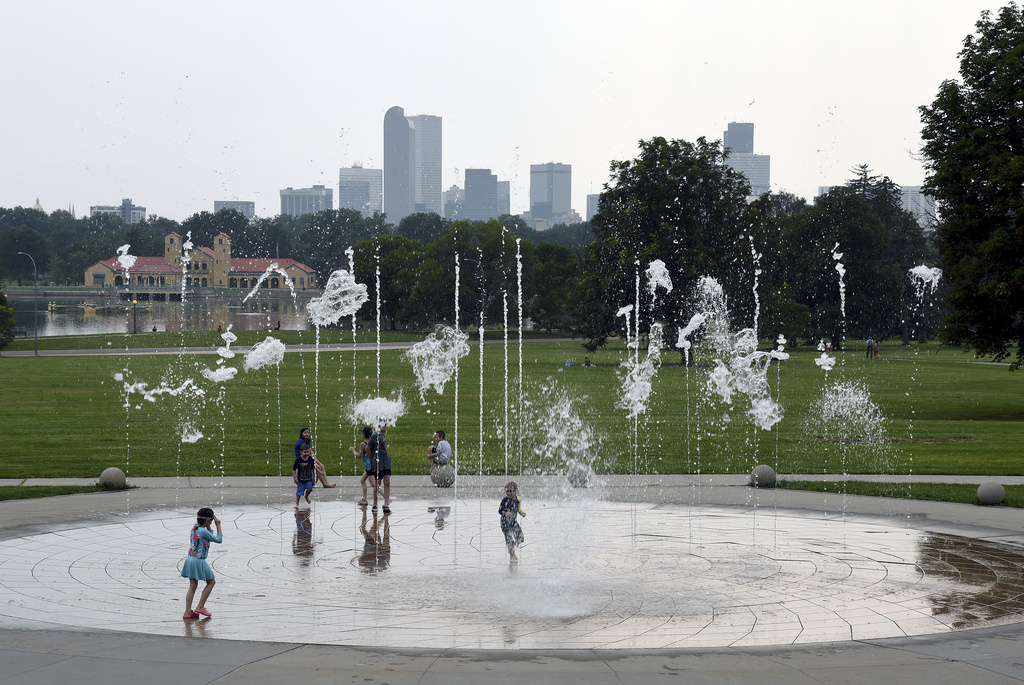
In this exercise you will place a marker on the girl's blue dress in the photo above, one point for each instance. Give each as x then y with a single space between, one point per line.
195 565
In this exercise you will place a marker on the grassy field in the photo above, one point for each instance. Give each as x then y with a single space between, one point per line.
68 417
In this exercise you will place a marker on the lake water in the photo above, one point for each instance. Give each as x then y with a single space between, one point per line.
192 315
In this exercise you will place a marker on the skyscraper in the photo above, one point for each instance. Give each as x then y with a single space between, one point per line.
550 190
738 142
306 200
399 187
481 199
739 138
426 162
360 189
921 205
412 164
246 208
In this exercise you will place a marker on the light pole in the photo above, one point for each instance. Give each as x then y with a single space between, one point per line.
35 297
135 317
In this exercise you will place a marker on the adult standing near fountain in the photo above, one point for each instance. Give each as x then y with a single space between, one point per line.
321 473
381 463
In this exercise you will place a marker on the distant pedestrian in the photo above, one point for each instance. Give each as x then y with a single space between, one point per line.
196 567
876 348
871 348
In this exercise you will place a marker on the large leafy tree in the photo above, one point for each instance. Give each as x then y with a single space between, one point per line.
974 146
677 202
6 319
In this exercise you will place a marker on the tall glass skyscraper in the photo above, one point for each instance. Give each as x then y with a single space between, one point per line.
412 164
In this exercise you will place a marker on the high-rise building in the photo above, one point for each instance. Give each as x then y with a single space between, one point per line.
550 190
453 202
738 142
243 207
361 189
592 201
921 205
481 197
739 138
306 200
129 212
504 204
426 162
412 164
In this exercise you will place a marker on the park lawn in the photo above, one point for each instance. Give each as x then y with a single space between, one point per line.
212 339
66 416
958 493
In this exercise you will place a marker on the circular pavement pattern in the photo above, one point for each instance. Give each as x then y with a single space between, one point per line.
592 575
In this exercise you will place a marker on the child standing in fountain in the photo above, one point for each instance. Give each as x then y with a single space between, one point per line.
303 473
364 452
196 567
510 507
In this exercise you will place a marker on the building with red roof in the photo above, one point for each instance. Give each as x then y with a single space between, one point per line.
179 270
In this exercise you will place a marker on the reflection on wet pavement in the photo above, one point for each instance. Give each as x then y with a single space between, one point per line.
591 575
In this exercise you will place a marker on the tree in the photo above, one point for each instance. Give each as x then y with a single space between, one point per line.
400 260
677 202
24 239
326 235
426 227
974 150
7 322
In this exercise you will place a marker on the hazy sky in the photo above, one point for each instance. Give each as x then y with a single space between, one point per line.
176 105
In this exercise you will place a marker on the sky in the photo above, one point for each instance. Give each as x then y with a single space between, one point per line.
176 105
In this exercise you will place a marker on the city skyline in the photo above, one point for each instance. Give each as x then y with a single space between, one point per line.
147 116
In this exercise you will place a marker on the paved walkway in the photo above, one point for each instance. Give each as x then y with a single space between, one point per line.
65 643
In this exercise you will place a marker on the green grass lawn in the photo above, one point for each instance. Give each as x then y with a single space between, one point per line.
68 417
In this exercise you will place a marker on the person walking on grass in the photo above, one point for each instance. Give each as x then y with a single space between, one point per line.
510 507
196 567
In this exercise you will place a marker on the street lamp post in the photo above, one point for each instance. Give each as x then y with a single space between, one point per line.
35 297
135 317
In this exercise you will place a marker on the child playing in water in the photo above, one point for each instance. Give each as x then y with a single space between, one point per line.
303 473
510 507
367 472
195 567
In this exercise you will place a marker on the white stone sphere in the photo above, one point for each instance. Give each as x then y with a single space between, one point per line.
113 479
991 492
443 476
763 476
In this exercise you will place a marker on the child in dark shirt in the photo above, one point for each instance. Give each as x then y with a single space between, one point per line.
303 473
510 507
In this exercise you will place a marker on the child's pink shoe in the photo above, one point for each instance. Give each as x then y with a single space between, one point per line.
190 614
203 611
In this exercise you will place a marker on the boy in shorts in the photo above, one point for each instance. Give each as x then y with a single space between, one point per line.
303 473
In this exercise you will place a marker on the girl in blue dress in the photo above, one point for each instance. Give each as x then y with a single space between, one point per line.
195 567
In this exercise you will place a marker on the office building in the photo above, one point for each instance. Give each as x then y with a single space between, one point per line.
426 162
550 190
361 189
921 205
592 201
129 212
738 142
246 209
452 199
504 204
412 164
297 202
481 196
739 138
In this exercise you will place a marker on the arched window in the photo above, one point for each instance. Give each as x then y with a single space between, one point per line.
151 281
275 283
118 280
232 282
